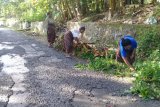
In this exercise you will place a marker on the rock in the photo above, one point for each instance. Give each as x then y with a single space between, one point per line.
151 20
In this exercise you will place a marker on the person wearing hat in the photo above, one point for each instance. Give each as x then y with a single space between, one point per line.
69 38
126 51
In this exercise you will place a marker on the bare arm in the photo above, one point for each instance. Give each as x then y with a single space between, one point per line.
76 39
133 53
117 51
129 65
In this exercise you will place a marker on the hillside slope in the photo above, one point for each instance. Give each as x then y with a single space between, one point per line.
134 14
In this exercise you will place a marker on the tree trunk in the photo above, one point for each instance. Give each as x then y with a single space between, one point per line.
122 6
78 9
154 1
63 11
127 2
142 2
106 5
84 7
97 6
68 9
112 7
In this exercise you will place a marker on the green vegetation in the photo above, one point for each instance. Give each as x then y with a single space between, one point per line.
63 10
105 64
157 12
147 83
148 41
147 75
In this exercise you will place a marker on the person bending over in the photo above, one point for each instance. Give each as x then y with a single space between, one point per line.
126 51
69 38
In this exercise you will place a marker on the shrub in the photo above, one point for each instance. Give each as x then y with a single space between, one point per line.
147 76
147 43
147 82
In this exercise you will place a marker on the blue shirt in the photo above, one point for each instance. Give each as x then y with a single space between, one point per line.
133 45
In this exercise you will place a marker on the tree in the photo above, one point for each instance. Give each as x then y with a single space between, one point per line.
142 2
154 1
112 7
127 1
84 7
106 5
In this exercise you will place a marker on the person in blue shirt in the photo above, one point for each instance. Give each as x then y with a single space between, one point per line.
126 51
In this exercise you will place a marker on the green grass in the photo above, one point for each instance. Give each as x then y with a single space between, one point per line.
147 65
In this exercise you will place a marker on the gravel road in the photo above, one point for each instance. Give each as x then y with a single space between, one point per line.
33 75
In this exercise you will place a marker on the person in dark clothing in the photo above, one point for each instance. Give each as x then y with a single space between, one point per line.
50 29
69 37
126 51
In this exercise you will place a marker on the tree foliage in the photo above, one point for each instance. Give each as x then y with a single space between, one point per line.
35 10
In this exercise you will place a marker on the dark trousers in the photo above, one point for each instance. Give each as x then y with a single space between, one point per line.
51 34
68 42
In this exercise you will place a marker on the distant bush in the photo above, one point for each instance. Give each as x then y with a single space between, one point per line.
147 75
157 11
147 80
148 42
